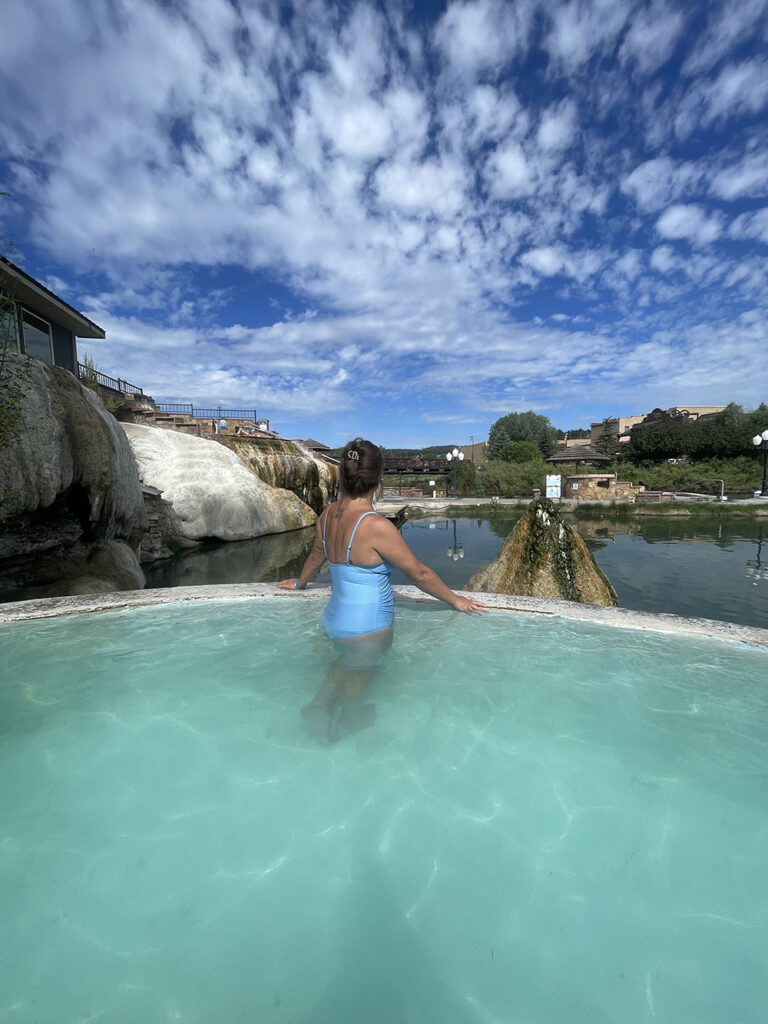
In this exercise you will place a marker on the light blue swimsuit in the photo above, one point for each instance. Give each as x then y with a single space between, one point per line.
361 599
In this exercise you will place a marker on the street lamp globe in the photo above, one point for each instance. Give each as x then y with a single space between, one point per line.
760 441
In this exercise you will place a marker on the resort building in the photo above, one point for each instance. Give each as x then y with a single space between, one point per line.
36 322
622 425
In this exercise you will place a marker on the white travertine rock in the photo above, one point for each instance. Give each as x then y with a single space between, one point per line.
211 491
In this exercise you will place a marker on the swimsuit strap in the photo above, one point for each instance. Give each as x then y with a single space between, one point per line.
325 523
362 517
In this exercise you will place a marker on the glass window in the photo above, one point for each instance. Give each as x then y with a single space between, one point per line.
37 337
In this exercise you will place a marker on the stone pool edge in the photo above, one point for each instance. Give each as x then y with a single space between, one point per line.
624 618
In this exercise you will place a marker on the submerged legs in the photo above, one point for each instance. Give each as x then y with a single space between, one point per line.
338 709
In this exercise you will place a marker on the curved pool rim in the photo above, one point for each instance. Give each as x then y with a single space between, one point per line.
622 618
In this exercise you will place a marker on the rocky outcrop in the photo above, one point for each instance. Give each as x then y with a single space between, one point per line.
162 537
69 489
212 492
545 557
285 464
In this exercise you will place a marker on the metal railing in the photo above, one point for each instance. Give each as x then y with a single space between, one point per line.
197 413
115 383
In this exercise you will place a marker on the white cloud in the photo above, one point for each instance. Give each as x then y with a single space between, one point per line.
752 225
657 182
728 26
738 89
546 261
748 177
652 36
509 172
691 222
558 126
581 28
664 259
429 186
479 35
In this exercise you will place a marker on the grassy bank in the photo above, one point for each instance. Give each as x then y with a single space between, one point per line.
671 509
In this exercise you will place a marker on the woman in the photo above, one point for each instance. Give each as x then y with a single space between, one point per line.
362 548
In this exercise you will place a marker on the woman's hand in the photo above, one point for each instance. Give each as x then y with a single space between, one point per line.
469 605
289 584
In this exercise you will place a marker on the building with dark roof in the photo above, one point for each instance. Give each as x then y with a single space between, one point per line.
576 455
36 322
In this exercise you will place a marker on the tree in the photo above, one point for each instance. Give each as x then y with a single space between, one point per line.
466 478
725 435
607 443
574 433
520 451
522 426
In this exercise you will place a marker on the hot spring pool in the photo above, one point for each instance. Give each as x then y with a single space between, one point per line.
548 821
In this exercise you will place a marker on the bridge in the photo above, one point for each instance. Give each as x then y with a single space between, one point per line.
415 465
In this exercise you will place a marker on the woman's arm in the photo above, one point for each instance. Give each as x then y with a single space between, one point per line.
387 542
312 566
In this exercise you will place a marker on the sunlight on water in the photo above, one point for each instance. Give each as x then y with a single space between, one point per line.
546 823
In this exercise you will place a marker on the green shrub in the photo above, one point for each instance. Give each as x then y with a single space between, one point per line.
520 451
512 479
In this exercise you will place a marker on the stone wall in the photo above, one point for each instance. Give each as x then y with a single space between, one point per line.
599 487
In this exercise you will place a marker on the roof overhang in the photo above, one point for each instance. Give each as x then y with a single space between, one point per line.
29 292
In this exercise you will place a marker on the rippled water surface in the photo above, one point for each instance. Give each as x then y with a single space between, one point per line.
544 823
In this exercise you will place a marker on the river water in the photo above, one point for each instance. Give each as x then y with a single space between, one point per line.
703 567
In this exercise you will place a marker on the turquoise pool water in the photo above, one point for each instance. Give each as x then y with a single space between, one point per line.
546 823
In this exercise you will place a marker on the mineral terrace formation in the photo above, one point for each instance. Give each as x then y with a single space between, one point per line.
212 492
545 557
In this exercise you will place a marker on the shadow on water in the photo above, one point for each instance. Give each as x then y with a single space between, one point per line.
384 971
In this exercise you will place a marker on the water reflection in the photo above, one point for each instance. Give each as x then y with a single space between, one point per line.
262 560
756 568
700 567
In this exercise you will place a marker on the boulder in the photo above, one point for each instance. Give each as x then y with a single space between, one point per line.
97 568
67 477
545 557
213 494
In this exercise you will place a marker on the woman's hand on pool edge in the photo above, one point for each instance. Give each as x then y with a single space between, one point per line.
289 584
469 605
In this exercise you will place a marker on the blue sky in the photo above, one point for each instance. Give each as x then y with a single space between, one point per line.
402 220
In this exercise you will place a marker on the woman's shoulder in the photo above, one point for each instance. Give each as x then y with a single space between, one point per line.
379 523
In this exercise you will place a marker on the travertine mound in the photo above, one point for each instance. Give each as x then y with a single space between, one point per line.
212 492
545 557
285 464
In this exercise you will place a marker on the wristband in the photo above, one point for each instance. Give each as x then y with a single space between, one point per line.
296 584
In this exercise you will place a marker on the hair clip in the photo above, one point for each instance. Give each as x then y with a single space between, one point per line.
352 454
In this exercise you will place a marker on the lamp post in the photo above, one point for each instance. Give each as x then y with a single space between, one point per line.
457 551
456 456
760 441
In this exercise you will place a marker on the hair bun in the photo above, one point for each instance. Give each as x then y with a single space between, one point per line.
362 467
